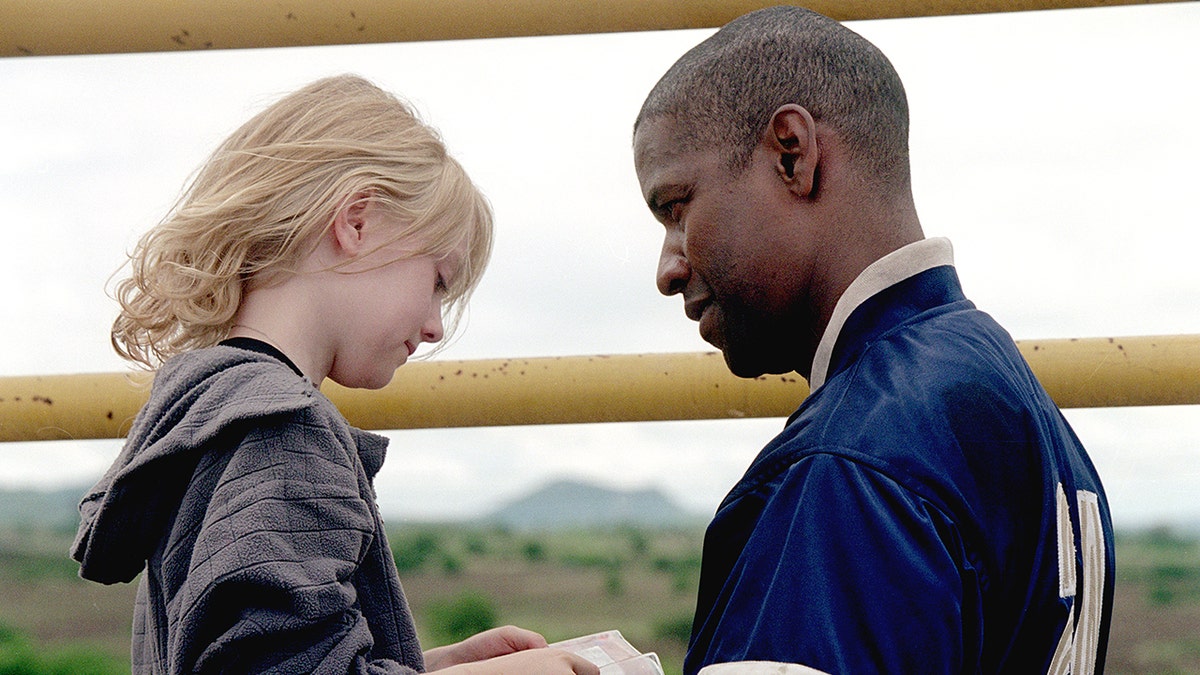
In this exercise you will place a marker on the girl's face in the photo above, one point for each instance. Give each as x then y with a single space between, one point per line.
391 302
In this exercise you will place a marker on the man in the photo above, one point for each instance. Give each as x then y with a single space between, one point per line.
927 509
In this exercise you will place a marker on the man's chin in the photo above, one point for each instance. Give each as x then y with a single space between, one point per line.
750 366
762 348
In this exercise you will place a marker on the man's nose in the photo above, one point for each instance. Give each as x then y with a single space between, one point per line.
673 268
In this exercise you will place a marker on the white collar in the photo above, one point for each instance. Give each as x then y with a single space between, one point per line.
889 270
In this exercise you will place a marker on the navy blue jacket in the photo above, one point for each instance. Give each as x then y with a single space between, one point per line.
926 510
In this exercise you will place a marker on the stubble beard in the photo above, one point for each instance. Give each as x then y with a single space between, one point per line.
755 345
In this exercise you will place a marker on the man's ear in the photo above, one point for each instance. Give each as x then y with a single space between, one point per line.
792 138
350 222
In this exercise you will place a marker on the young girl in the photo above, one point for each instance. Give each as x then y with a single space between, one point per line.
323 239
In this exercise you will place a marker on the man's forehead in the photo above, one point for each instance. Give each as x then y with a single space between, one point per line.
659 148
656 136
665 156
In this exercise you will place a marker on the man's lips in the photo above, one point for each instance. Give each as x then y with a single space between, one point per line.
694 309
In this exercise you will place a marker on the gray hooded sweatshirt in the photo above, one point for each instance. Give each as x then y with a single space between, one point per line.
246 498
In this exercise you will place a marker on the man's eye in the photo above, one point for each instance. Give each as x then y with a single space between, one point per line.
676 210
672 211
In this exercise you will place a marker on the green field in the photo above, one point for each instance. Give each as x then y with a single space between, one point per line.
563 584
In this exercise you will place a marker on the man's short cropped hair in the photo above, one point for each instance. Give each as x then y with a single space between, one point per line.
723 91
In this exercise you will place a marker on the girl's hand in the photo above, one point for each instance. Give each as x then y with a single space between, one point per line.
529 662
507 649
483 646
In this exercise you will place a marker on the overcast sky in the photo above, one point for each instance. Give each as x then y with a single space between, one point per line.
1057 150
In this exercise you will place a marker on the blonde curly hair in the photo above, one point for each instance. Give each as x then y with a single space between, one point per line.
263 199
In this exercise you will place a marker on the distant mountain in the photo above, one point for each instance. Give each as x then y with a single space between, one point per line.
568 503
41 508
560 504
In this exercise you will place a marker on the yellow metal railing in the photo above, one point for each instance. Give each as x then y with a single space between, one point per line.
1078 373
50 27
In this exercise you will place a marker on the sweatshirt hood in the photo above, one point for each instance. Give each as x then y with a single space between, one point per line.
196 397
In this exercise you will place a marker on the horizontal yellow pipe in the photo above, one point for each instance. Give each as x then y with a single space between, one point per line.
1078 373
49 27
1117 372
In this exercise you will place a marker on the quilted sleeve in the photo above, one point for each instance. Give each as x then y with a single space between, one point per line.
270 577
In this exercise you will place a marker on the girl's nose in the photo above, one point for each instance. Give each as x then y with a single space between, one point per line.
433 330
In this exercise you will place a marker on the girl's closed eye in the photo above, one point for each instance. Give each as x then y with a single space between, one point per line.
447 271
440 286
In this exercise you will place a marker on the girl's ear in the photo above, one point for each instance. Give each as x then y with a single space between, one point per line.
350 222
